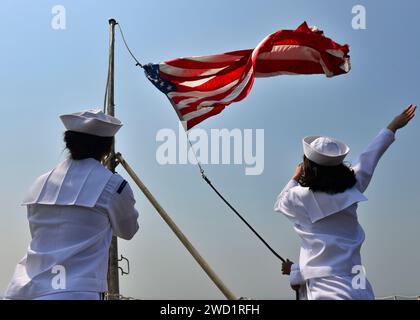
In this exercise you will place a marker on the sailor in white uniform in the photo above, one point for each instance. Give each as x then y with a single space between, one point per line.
73 211
321 201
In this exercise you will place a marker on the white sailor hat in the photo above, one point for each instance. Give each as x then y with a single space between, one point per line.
93 122
324 151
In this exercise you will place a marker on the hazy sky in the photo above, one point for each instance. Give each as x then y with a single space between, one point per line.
47 72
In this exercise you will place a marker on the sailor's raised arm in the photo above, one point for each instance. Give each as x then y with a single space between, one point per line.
368 160
281 201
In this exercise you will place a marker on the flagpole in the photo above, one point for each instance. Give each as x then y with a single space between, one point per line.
113 279
188 245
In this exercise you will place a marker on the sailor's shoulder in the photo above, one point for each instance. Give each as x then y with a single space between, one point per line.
117 183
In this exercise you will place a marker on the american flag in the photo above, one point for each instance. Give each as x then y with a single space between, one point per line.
200 87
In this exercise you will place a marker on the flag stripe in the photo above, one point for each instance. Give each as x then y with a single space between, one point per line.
290 52
176 71
225 97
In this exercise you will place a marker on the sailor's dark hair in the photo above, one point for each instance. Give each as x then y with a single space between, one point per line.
82 145
329 179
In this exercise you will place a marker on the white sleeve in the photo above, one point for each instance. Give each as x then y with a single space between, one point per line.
366 164
283 201
122 213
295 275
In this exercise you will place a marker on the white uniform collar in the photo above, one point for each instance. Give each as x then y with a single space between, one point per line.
72 182
319 205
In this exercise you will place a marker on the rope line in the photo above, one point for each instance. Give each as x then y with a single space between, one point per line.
107 81
128 48
207 180
131 54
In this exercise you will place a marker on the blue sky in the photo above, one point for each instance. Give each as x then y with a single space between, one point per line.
47 72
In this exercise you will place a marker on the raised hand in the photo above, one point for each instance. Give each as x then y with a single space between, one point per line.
402 119
298 172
